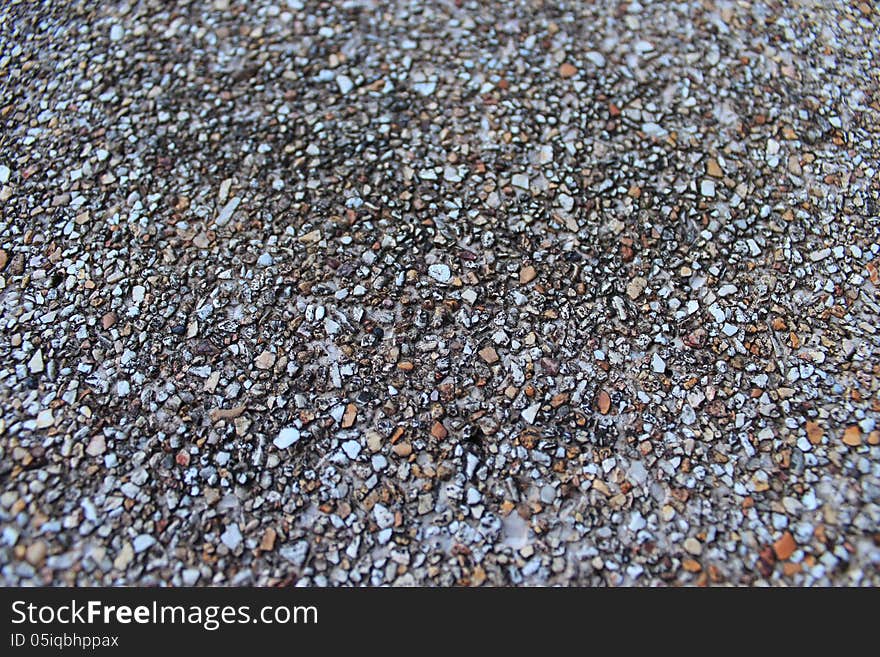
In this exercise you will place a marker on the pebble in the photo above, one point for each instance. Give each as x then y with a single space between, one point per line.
228 210
520 180
35 364
97 445
527 274
286 437
596 58
142 543
45 419
265 361
383 516
693 546
489 355
440 273
658 364
231 536
36 552
344 83
530 413
635 287
352 448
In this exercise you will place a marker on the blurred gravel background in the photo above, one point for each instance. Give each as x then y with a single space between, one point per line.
447 293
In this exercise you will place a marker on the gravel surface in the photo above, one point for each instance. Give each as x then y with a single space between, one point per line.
447 293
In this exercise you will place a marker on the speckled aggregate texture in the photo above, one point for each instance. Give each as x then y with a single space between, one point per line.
439 293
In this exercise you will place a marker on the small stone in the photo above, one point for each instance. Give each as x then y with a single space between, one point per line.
785 546
527 274
530 413
707 188
35 554
603 402
190 576
35 364
217 414
344 83
693 546
231 537
597 58
440 273
635 287
116 32
265 360
311 237
267 543
814 432
350 415
567 70
45 419
383 516
286 437
712 168
489 355
425 88
402 449
97 445
658 364
352 449
265 260
296 553
520 180
5 172
691 565
227 211
143 542
439 431
852 436
137 293
124 558
108 320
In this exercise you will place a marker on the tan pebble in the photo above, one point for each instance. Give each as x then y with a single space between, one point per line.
527 274
489 355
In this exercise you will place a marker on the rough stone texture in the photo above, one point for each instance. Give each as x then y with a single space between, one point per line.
625 257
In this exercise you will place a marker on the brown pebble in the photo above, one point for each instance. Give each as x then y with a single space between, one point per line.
35 554
108 320
852 436
567 70
439 431
402 449
527 274
350 416
218 414
489 355
603 402
267 543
